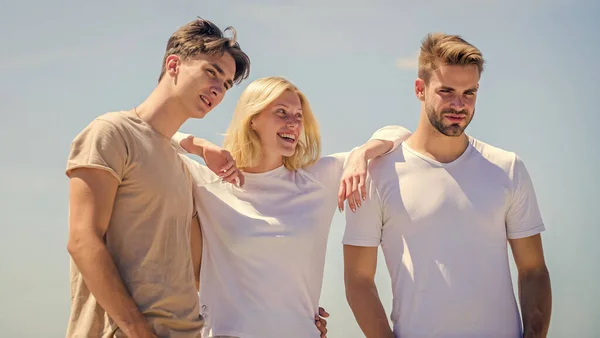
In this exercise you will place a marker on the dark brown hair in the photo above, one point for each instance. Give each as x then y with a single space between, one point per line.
203 36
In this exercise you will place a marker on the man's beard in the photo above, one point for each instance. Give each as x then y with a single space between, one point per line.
453 130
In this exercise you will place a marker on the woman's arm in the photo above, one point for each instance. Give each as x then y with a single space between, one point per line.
217 159
352 183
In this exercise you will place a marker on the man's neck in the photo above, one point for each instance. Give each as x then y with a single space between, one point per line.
430 142
162 112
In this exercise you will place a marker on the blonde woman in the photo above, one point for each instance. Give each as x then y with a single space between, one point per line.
264 242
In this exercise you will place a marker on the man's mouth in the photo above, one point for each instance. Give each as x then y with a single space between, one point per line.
205 100
287 137
455 117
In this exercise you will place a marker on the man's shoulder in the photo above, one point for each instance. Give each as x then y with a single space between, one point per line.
394 156
116 118
501 157
125 124
384 167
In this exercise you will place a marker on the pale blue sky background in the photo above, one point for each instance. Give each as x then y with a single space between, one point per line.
65 62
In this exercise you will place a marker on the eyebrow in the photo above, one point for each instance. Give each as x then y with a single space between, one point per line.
220 71
473 89
286 106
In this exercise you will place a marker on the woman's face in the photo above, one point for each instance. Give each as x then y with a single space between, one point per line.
279 125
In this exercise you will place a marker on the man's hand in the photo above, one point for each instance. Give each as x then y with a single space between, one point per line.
217 159
321 322
143 330
352 184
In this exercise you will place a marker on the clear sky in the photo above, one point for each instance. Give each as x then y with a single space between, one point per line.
65 62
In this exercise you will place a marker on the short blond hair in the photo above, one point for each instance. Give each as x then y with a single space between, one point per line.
243 142
444 49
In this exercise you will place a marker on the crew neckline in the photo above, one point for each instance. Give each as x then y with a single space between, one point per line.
438 163
272 172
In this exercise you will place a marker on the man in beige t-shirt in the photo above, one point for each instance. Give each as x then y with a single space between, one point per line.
131 205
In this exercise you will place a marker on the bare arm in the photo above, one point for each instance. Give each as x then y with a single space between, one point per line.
92 194
535 293
196 239
352 185
360 264
217 159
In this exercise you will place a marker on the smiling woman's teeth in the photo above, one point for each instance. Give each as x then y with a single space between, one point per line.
288 136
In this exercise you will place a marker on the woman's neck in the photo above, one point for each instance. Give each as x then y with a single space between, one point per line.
268 162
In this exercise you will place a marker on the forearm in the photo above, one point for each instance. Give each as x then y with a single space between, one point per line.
103 280
536 302
368 310
375 148
194 145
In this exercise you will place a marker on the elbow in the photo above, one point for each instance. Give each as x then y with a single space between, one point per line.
537 272
73 246
79 241
357 286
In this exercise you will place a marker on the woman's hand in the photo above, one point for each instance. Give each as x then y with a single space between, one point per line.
217 159
352 184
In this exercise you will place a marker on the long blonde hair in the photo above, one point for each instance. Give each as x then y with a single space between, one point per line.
243 142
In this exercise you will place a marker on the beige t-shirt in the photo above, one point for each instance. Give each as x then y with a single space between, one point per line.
149 231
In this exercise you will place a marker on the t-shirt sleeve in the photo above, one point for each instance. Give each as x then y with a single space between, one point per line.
523 218
328 169
395 134
364 227
200 173
99 145
176 142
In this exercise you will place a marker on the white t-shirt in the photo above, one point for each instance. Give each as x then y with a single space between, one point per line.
264 246
443 229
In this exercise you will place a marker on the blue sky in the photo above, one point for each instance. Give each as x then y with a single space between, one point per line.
65 62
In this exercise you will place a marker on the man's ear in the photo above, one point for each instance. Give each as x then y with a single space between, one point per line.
172 64
420 89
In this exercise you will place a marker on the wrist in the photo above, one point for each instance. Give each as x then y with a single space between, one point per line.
200 145
137 328
363 152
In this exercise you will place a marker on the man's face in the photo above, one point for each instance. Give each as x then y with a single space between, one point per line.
450 97
202 81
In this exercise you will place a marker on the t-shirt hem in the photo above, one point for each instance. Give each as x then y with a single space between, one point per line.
230 333
355 242
92 166
527 233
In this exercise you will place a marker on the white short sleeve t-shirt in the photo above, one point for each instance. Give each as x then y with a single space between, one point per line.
264 246
443 229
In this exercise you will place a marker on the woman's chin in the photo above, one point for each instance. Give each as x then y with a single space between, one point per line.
287 152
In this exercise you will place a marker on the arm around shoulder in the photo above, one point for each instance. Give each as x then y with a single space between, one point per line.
218 160
394 134
382 142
